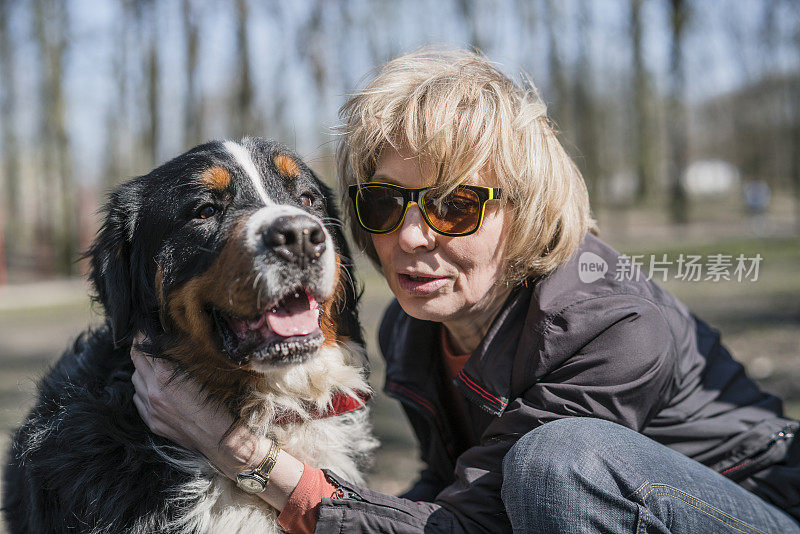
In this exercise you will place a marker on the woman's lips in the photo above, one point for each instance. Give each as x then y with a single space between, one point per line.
420 285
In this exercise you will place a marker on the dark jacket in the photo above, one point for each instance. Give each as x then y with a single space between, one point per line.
618 349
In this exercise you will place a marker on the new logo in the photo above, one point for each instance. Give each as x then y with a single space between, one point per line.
591 267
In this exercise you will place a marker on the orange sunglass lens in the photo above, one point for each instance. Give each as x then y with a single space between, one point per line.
456 213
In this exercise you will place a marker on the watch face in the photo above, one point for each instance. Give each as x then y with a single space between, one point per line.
250 484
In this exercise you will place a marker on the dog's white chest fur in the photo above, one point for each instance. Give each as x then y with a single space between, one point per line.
338 443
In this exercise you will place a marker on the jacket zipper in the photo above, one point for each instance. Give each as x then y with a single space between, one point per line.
343 493
786 432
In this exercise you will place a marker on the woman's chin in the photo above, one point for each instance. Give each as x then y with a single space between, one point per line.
433 307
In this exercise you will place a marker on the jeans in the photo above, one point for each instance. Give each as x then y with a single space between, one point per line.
590 475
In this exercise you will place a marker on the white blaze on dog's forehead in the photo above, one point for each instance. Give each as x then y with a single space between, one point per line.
242 157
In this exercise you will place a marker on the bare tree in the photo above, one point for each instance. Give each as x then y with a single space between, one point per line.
243 106
279 95
559 93
677 130
10 221
52 30
528 17
8 103
113 168
311 47
45 187
153 75
192 107
642 139
750 157
468 11
584 107
350 26
796 136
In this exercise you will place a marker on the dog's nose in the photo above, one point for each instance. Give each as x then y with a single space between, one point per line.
295 238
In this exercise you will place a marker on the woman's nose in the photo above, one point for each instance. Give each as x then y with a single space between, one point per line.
415 232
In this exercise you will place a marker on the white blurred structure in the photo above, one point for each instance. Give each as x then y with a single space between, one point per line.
711 177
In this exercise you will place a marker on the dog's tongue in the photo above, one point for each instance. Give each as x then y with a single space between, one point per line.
297 315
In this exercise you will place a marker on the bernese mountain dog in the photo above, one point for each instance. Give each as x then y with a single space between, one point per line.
231 259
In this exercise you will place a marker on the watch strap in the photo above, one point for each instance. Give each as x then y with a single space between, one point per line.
264 469
260 474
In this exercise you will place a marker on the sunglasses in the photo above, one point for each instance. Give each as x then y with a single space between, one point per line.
380 208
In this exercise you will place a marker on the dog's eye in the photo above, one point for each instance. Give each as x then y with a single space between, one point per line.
307 199
207 211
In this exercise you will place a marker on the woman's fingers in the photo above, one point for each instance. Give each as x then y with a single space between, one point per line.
141 407
141 361
139 338
162 369
139 384
174 409
153 370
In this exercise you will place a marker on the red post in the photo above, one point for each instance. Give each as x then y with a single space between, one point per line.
3 271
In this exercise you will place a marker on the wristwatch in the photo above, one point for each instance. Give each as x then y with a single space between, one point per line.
255 481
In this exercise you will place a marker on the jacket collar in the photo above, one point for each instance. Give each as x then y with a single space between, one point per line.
486 379
487 376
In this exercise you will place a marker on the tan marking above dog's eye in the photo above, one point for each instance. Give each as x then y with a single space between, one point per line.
217 177
286 165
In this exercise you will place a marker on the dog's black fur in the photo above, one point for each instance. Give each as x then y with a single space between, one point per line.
84 461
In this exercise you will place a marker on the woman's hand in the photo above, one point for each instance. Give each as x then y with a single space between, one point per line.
178 411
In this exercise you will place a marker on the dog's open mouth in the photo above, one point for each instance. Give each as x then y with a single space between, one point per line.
282 333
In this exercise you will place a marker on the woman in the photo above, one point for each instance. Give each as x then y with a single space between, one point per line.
542 399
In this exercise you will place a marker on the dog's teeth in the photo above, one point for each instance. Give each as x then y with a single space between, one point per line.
274 309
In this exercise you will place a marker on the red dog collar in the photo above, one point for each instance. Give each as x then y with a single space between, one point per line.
340 404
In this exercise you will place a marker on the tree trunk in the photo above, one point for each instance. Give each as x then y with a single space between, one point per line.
468 11
48 185
796 148
57 228
68 231
153 81
642 140
796 151
677 131
7 112
192 113
117 109
559 94
244 113
585 113
10 165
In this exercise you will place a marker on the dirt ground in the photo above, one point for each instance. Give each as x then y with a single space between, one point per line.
759 321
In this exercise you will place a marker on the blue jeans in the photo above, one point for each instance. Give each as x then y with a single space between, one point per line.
588 475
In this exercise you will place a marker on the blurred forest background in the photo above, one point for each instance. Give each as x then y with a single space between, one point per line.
657 99
684 117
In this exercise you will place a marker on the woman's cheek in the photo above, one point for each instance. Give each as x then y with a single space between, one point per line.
382 250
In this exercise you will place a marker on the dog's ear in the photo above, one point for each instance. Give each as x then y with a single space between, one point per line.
110 259
347 308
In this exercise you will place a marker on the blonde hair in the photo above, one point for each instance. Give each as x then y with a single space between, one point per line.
459 111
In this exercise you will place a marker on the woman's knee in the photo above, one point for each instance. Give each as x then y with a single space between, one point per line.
554 450
570 458
565 438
